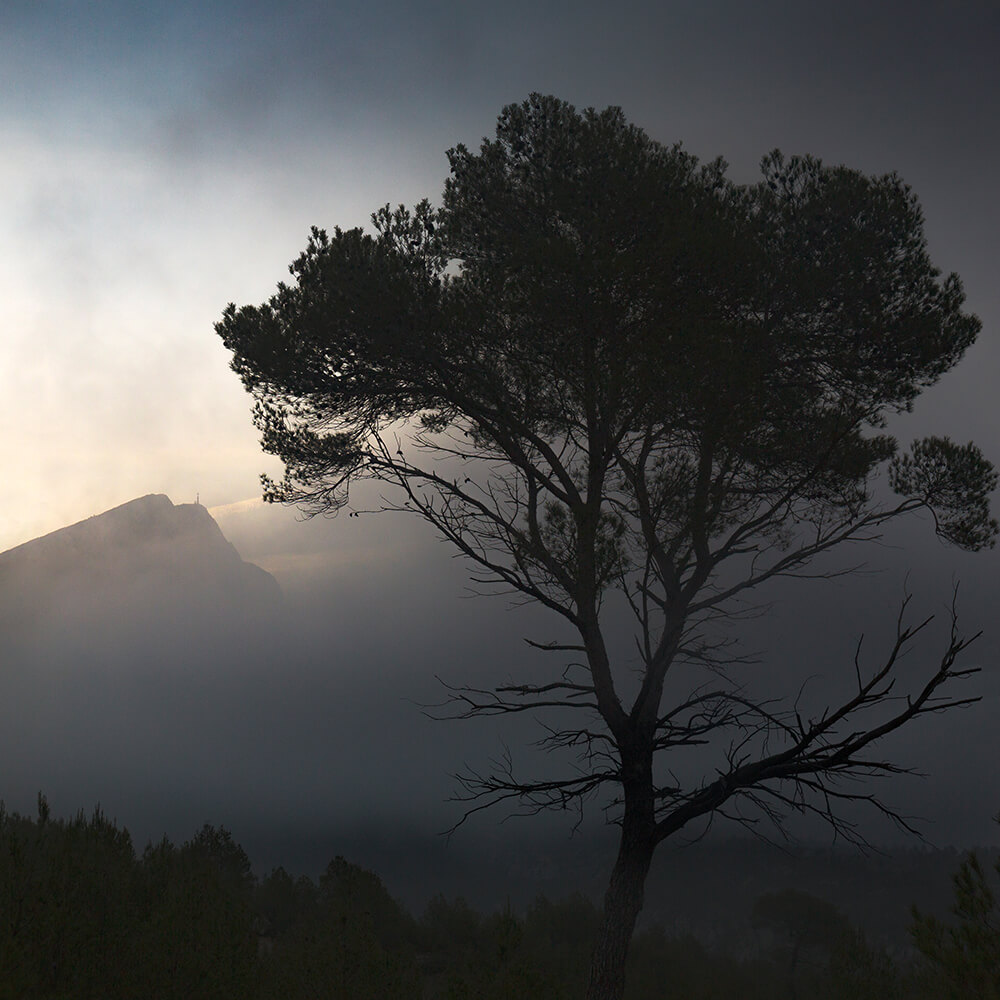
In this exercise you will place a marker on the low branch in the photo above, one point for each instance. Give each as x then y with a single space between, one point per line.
819 756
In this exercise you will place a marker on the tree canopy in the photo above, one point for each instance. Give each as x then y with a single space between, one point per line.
602 365
603 275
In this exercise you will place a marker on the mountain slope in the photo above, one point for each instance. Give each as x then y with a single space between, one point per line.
146 563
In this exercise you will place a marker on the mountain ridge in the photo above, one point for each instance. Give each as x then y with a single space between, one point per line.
142 556
146 510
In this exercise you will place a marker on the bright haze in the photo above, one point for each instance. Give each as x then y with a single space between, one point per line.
162 160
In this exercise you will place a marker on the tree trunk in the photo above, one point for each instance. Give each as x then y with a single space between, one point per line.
622 903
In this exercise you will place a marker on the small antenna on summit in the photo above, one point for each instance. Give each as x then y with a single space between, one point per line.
197 498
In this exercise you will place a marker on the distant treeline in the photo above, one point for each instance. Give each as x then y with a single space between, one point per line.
82 916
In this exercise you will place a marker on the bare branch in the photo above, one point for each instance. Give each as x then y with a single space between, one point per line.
830 748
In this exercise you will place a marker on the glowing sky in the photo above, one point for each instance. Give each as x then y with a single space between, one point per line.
161 160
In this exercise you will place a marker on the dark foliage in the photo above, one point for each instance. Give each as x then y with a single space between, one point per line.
83 917
963 958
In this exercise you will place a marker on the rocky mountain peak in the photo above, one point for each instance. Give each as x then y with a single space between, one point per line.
149 558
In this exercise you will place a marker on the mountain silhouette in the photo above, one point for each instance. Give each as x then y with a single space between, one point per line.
147 566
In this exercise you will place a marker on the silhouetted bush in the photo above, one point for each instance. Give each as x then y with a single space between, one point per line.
963 959
68 892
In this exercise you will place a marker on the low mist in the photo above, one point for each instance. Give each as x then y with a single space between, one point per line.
188 688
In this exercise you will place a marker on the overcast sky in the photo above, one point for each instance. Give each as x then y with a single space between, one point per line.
163 159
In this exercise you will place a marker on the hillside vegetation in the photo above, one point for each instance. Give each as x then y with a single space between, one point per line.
86 916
